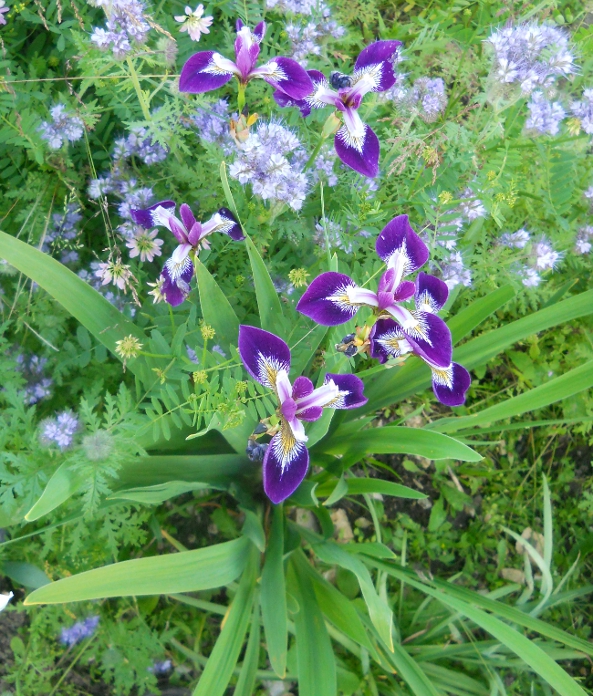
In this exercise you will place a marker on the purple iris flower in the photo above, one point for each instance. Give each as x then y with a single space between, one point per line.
267 359
355 142
208 70
334 298
192 235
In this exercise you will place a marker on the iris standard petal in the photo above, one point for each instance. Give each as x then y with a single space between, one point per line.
246 51
153 216
451 384
206 71
326 300
285 464
398 237
430 293
357 145
187 217
263 355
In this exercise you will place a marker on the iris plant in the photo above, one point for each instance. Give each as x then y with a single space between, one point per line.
355 142
192 235
208 70
267 359
334 298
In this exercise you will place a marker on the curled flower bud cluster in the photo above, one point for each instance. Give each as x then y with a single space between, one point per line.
38 385
79 631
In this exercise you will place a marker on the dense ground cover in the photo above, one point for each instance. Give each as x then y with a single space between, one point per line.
196 232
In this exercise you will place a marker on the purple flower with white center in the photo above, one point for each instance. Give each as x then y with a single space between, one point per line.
191 235
388 340
79 631
209 70
267 359
334 298
60 430
145 245
355 142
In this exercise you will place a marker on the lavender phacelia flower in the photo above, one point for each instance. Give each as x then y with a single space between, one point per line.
454 272
38 386
79 631
307 38
64 126
545 116
161 667
266 160
584 240
544 256
60 430
531 55
515 240
529 276
583 110
427 97
62 234
471 208
126 25
212 123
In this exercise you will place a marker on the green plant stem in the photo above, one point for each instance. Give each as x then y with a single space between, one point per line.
70 666
136 82
241 98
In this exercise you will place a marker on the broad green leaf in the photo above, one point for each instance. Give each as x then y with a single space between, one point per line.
399 440
223 658
25 574
337 492
159 492
189 571
336 608
356 486
64 483
84 303
379 612
316 665
228 194
562 387
273 596
268 302
216 309
246 682
390 386
464 322
216 470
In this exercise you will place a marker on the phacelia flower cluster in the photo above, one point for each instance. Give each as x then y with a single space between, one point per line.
191 235
545 116
212 123
139 144
307 38
584 240
583 110
266 358
126 27
271 161
38 385
60 430
394 330
540 256
79 631
355 142
63 127
427 97
531 55
64 230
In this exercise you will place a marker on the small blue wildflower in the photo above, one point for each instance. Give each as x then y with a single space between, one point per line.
161 667
544 116
79 631
125 25
38 386
60 430
64 126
